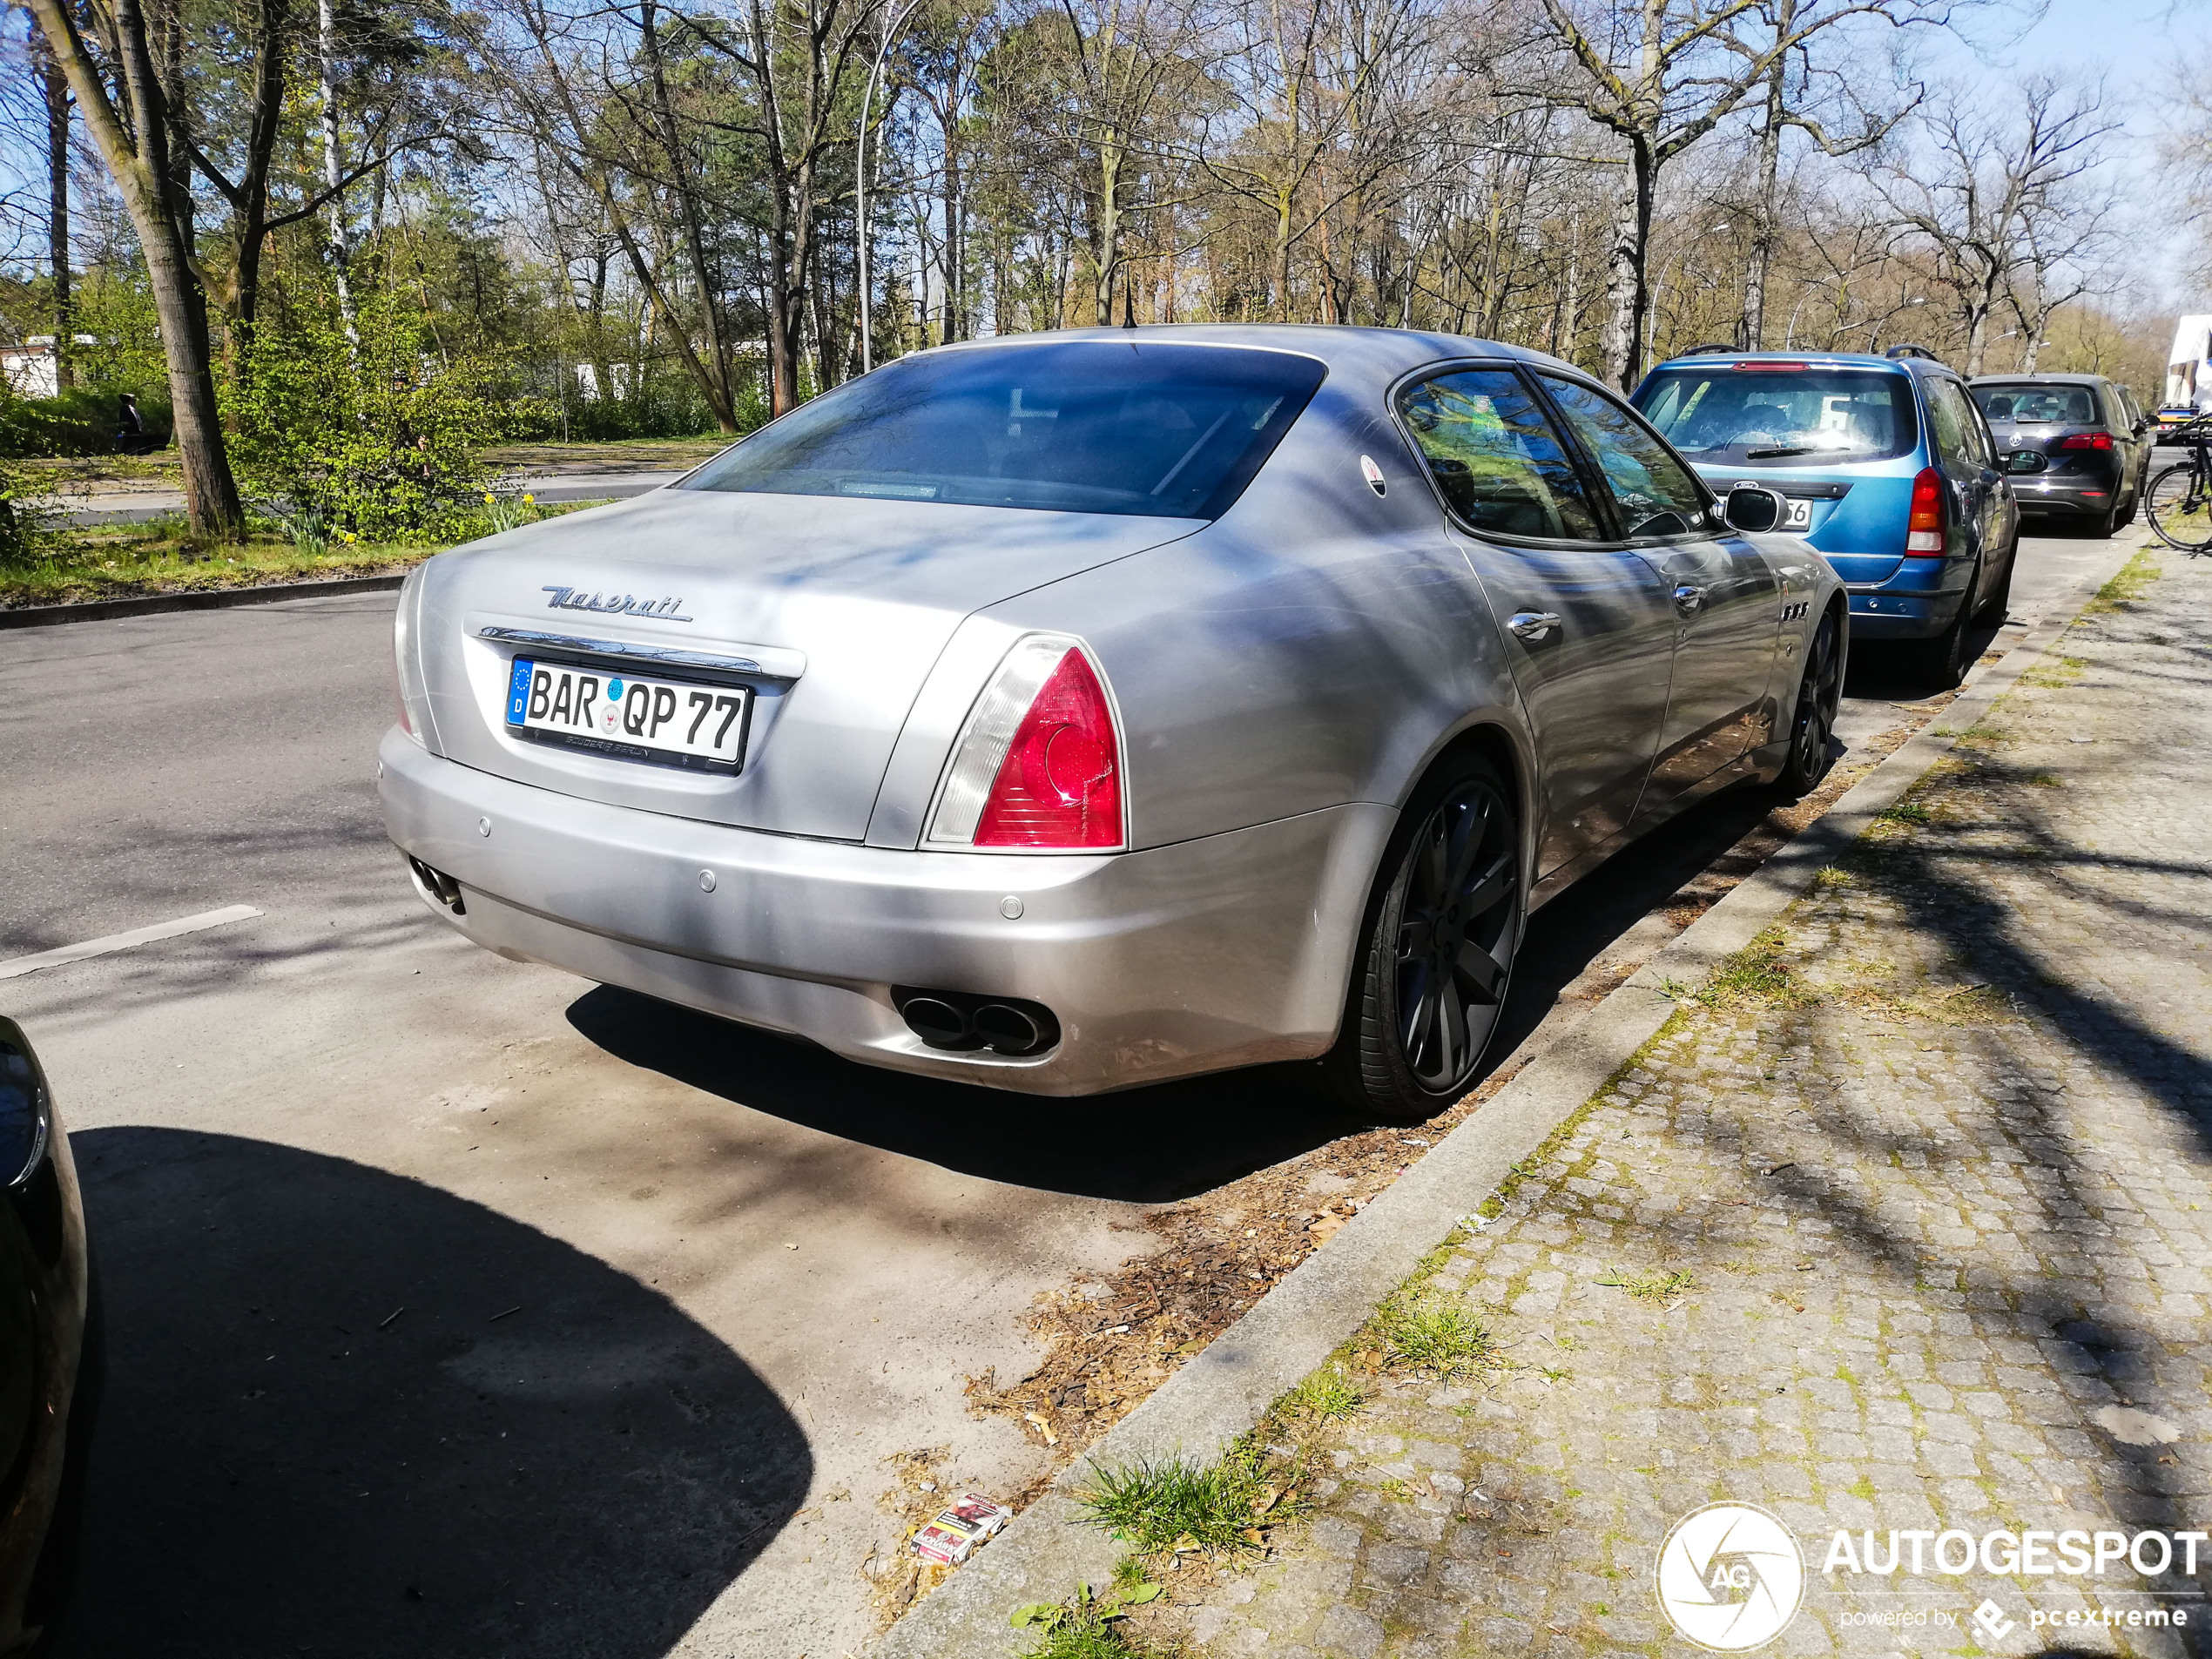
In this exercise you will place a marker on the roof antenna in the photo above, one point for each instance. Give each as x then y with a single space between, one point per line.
1128 306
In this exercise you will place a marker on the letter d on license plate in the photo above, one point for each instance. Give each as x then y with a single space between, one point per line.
629 716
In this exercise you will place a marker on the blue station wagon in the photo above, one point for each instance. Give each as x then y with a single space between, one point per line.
1887 468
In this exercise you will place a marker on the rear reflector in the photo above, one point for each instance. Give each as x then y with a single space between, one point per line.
1039 763
2087 441
1923 529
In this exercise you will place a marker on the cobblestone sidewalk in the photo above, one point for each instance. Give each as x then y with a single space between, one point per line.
1905 1223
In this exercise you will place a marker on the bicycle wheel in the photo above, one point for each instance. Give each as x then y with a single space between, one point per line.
2179 505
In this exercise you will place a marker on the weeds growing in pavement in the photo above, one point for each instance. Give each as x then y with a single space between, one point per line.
1437 1334
1325 1396
1906 813
1086 1625
2128 586
1660 1288
1756 974
1178 1505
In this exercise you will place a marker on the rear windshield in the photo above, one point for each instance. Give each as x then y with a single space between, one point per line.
1077 426
1781 417
2033 405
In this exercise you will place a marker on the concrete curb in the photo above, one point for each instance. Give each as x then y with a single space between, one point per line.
154 604
1222 1392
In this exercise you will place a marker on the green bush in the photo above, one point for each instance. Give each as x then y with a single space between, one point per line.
80 422
378 442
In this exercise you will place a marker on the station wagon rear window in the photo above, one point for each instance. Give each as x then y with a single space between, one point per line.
1758 416
1165 430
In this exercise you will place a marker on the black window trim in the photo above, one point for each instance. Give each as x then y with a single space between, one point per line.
1598 493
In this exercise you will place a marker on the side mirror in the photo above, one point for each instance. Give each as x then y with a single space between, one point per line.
2024 461
1752 508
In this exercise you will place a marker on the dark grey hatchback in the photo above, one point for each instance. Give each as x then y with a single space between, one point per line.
2093 444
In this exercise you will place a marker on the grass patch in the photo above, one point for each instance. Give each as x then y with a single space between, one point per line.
1177 1506
2054 671
1327 1396
1758 974
1905 811
1828 878
2047 780
1438 1335
1659 1287
2126 587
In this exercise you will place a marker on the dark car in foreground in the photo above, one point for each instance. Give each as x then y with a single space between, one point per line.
2083 445
48 1355
1888 470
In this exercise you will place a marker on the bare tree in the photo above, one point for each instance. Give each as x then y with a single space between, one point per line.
1987 186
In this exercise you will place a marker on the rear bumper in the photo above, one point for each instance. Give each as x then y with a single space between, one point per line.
1917 602
1230 950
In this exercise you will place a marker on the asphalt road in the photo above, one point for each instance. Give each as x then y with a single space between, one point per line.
459 1307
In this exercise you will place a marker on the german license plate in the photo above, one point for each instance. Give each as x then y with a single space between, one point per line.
1797 513
629 716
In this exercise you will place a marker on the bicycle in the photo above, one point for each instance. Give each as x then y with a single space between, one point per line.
2178 501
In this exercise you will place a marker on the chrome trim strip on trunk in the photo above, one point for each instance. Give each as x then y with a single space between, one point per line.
769 664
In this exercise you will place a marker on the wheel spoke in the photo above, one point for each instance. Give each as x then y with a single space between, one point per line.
1414 935
1452 1022
1477 964
1477 822
1495 887
1418 1012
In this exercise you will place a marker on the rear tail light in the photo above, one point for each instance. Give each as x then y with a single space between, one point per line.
1039 763
1924 529
2087 441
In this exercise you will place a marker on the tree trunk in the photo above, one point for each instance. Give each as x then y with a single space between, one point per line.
140 159
1627 298
55 85
1762 235
337 251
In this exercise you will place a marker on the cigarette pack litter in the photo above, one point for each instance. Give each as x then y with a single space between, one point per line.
953 1536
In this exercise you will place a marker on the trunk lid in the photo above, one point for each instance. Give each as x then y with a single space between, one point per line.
832 610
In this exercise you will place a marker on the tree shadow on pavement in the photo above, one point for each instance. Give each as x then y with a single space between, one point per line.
347 1413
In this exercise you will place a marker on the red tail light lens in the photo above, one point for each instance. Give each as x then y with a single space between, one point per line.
2087 441
1060 783
1924 527
1038 764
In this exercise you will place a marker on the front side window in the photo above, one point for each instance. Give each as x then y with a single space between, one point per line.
1497 462
1656 493
1793 414
1072 426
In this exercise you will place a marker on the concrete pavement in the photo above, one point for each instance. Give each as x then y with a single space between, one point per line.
293 1127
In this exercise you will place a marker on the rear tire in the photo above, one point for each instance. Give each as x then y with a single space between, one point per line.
1435 957
1994 607
1812 724
2102 527
2178 517
1941 663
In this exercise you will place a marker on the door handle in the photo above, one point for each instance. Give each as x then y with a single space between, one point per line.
1532 625
1688 598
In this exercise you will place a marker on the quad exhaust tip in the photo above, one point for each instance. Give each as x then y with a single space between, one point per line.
960 1023
438 885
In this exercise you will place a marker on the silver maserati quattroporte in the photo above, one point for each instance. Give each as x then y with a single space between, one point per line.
1070 711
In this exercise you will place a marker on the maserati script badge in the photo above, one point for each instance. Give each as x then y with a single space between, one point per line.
621 604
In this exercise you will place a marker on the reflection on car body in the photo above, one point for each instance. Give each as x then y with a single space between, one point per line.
1125 705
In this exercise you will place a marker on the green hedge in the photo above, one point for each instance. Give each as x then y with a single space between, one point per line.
81 422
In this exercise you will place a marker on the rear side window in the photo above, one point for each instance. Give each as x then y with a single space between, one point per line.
1958 434
1496 459
1075 426
2031 405
1656 493
1760 416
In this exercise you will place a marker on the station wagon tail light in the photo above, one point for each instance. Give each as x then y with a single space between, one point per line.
1039 763
1924 529
2087 441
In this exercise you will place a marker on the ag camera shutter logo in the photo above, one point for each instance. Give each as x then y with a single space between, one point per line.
1730 1577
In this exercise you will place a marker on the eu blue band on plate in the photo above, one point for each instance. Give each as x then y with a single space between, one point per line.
518 691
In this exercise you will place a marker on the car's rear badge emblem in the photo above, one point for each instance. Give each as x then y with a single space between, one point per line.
622 604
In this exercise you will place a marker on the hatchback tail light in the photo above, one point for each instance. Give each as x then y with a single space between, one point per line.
1039 763
2087 441
1924 529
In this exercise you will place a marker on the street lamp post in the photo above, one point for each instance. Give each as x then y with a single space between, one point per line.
867 105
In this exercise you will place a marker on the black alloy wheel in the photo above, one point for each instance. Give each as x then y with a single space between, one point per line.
1812 724
1436 958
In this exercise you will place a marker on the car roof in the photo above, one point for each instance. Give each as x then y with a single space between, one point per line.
1826 359
1388 351
2039 379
